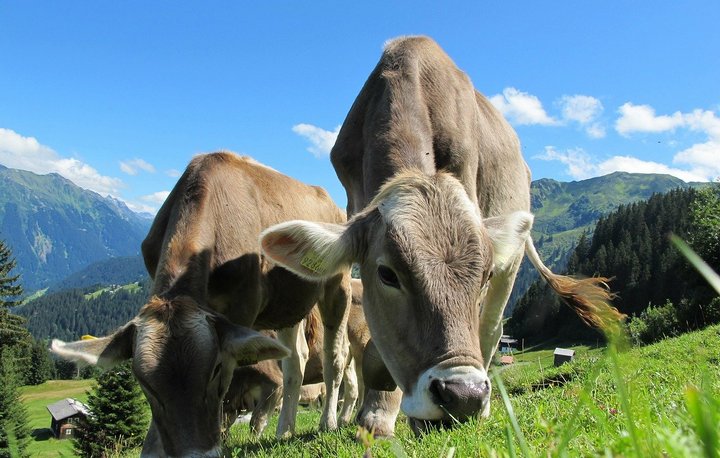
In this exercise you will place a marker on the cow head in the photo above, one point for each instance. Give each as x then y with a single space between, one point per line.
426 257
184 358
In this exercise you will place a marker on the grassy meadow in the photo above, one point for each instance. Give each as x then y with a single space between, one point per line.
660 400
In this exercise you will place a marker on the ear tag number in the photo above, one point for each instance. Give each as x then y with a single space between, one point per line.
312 261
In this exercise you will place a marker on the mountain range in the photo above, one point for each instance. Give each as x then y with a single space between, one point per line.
55 228
66 237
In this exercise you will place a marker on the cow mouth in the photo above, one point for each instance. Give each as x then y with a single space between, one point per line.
422 427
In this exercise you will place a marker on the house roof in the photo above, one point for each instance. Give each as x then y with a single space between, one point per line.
66 408
564 352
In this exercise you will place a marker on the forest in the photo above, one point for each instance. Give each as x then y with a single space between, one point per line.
657 289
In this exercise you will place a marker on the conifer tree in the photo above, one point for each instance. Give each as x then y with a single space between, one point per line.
14 428
9 288
119 414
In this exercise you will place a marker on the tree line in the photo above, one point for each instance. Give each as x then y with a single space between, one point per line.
656 287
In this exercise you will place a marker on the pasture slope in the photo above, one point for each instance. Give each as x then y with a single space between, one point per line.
658 400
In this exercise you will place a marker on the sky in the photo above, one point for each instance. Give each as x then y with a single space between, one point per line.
118 96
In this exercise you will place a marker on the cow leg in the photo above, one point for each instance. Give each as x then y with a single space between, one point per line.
350 394
334 309
270 397
379 411
492 312
293 369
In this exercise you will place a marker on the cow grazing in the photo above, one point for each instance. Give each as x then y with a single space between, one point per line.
439 196
210 284
258 388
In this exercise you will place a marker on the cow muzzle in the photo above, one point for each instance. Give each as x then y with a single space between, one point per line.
448 394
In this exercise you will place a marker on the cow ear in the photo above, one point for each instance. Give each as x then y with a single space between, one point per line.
246 346
311 250
508 234
104 352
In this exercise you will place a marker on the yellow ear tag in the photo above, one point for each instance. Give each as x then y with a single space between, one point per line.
88 337
312 261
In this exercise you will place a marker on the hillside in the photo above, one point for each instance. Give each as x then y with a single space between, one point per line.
71 313
56 228
564 210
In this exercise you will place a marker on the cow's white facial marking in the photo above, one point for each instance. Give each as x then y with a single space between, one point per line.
423 402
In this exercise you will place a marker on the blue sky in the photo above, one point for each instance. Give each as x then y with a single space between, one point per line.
119 96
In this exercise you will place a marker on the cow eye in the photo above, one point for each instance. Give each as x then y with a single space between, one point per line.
388 277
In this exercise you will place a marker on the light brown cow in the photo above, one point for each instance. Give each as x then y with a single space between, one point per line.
204 256
258 388
440 198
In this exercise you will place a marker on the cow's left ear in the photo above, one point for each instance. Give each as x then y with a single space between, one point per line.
508 234
247 346
311 250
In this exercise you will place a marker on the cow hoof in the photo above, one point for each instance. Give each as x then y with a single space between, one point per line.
378 427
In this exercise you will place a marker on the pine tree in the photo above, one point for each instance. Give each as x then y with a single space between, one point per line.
41 367
9 289
14 428
119 414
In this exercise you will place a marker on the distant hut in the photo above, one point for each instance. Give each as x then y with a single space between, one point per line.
66 415
563 355
507 344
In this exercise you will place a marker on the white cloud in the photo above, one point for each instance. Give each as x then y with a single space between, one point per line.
580 108
26 153
595 130
580 165
173 173
578 162
156 197
642 118
584 110
521 108
321 140
133 166
702 159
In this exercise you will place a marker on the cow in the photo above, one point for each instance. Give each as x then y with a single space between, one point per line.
258 388
210 285
439 198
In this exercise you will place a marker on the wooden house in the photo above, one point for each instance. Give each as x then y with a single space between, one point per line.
66 415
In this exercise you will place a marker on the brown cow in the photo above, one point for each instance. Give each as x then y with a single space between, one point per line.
204 256
258 388
440 198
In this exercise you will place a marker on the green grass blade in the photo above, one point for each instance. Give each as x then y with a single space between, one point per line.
511 415
697 262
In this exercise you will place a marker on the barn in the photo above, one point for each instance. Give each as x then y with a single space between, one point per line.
66 415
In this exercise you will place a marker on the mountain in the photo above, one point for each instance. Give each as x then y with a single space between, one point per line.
56 228
114 271
564 210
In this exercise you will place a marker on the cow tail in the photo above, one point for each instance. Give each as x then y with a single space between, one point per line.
591 298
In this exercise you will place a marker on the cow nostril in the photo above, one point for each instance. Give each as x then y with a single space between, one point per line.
439 392
460 399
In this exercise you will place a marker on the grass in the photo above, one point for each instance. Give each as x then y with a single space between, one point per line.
659 400
36 400
133 288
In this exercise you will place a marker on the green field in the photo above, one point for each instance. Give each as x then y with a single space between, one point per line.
659 400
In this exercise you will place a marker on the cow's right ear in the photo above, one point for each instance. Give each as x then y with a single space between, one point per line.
104 352
247 346
311 250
